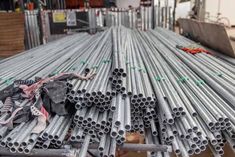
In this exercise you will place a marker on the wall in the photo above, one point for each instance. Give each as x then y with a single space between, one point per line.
182 10
126 3
226 9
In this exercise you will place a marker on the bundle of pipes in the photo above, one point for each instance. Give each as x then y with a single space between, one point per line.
43 61
31 29
22 140
204 93
99 103
146 17
143 83
119 16
128 111
118 77
130 18
96 91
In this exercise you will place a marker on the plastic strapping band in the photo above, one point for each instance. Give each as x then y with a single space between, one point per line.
9 81
106 61
158 78
95 67
133 68
73 68
142 70
219 74
199 82
54 73
183 79
83 62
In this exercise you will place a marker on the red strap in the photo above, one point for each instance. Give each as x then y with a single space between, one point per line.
43 110
194 50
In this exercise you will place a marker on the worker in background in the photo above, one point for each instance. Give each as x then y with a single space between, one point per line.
17 7
193 13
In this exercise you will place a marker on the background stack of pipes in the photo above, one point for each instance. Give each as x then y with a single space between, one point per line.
32 29
143 83
144 18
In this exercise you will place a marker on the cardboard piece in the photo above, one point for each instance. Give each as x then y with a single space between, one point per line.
212 35
12 34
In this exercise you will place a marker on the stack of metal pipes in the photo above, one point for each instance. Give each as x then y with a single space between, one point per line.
129 18
146 17
46 63
198 85
143 83
132 105
119 16
43 61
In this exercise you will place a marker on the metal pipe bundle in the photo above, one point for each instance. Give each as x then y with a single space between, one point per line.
119 16
32 33
207 105
143 83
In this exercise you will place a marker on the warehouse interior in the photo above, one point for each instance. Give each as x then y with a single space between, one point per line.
117 78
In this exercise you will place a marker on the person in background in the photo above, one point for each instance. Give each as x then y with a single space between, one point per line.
17 7
193 14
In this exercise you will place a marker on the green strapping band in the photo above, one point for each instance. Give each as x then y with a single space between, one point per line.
183 79
200 82
73 68
106 61
83 62
159 78
142 70
133 68
54 73
219 74
9 81
95 67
